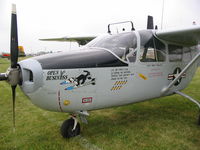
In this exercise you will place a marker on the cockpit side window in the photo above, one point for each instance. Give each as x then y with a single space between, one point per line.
152 49
175 53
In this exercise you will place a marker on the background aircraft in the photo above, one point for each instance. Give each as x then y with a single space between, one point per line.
7 55
111 70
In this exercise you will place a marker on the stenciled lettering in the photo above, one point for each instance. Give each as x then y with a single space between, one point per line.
56 75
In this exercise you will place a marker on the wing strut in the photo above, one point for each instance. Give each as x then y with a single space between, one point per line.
166 89
191 99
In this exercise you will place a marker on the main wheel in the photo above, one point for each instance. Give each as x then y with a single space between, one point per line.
199 120
67 128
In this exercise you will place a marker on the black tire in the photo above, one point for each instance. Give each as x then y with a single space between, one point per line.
199 121
66 129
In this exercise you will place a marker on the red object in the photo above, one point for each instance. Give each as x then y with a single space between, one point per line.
6 55
87 100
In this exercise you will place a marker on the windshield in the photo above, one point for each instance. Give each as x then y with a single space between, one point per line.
121 44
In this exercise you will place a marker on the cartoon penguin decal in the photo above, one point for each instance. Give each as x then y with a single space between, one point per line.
83 79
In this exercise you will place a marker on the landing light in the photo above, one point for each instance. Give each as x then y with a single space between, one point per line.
66 102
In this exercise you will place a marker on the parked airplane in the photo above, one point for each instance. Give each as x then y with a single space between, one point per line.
7 55
111 70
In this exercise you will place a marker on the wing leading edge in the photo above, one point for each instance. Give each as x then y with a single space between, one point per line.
183 37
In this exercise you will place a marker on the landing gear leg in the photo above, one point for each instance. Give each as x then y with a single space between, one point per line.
70 128
192 100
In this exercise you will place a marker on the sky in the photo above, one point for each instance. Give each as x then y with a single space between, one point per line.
58 18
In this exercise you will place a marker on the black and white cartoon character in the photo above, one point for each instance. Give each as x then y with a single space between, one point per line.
81 79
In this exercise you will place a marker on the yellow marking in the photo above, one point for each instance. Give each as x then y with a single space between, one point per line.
119 84
113 88
142 76
66 102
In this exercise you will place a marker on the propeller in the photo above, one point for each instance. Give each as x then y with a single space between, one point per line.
12 74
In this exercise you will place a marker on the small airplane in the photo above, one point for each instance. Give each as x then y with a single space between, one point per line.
7 55
111 70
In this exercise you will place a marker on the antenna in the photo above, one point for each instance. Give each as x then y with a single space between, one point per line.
163 6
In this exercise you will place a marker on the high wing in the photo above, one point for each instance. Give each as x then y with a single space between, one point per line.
183 37
80 40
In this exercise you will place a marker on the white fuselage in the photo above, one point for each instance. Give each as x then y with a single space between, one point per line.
82 89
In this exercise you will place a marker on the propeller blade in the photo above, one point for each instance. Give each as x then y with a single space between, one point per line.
13 100
13 75
14 38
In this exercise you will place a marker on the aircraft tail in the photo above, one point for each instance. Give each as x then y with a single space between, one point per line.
150 22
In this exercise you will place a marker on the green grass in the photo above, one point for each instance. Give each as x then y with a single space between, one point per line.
160 124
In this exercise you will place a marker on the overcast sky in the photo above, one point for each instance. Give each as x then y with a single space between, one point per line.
57 18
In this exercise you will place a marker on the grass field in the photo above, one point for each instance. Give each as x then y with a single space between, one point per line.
168 123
